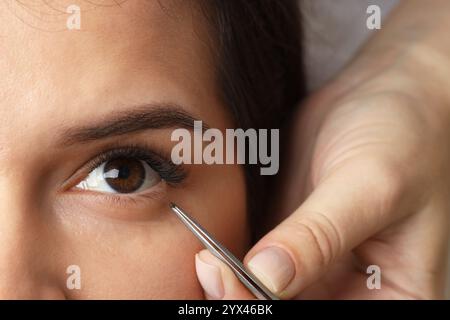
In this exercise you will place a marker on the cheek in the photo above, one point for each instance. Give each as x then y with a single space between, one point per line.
160 266
152 260
217 200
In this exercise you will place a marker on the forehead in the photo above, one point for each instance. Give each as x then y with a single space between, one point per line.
132 51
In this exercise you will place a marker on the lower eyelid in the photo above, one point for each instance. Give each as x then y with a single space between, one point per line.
128 207
157 192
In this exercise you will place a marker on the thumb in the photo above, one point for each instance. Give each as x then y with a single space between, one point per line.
217 279
347 207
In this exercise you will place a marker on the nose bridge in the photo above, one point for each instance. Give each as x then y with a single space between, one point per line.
16 243
22 262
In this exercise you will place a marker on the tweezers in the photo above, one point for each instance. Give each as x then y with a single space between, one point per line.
246 277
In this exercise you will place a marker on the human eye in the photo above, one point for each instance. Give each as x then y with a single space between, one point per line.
129 170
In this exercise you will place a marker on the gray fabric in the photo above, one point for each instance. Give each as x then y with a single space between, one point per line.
334 30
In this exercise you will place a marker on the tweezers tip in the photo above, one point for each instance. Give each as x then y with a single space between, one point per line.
174 207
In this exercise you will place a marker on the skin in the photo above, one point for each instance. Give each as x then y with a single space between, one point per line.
372 148
133 247
393 211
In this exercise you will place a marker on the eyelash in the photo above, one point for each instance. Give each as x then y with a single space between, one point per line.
171 173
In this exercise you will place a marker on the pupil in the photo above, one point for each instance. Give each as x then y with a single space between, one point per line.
124 172
124 175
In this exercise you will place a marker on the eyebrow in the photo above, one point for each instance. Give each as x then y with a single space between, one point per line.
139 118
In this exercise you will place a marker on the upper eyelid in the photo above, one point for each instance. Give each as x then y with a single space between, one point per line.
103 156
95 160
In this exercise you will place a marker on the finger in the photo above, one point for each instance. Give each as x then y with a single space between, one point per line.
217 280
348 206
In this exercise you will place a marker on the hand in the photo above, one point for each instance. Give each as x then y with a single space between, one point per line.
367 183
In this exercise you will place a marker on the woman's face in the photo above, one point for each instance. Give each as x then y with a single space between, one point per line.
74 103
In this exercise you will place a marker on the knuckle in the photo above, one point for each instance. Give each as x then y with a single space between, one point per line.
388 183
384 181
321 235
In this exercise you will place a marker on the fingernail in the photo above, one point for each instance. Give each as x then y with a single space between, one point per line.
274 268
210 277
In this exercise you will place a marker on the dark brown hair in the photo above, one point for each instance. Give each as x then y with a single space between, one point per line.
259 71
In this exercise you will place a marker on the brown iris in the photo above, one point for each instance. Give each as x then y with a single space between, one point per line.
124 175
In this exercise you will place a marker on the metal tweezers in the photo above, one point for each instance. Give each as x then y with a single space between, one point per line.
248 279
